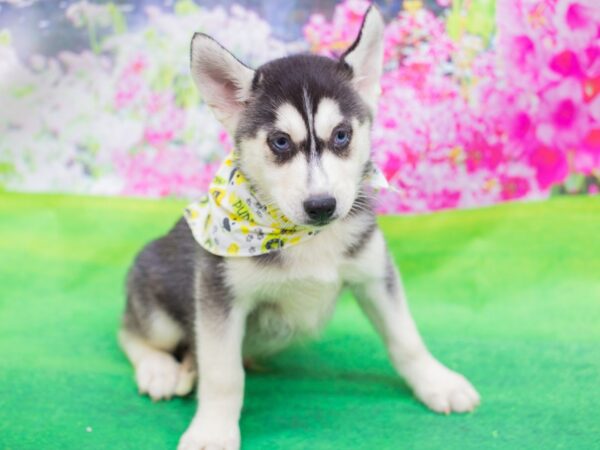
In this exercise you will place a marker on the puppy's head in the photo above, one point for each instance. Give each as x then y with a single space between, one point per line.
301 123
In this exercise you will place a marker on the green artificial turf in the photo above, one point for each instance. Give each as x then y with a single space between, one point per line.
509 295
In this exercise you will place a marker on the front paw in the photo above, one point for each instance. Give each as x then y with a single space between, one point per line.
210 436
156 375
441 389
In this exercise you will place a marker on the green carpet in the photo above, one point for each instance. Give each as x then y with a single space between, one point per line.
509 295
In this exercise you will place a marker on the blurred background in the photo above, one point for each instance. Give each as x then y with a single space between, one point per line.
483 102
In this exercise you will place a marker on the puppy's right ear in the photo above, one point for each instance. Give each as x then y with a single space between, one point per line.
223 81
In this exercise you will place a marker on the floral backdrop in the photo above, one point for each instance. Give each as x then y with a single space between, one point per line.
483 101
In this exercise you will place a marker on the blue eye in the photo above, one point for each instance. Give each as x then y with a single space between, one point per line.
280 143
341 138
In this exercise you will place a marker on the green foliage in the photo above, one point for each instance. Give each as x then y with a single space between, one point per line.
575 183
186 94
119 23
476 17
23 91
163 79
6 168
5 38
184 7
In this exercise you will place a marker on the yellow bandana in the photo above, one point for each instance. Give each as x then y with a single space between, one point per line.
231 221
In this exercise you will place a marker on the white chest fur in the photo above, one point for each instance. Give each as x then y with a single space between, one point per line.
294 296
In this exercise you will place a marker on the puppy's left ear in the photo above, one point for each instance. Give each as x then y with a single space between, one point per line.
365 57
223 81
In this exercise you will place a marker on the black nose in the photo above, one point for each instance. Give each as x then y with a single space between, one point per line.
320 208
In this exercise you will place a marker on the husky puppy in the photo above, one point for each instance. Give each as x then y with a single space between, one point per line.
302 139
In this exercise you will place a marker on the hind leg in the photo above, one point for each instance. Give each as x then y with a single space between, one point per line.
157 371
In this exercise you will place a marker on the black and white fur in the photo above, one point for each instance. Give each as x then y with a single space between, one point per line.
191 314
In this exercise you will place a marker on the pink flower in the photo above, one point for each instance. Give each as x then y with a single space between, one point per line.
175 171
225 140
587 159
130 83
482 155
157 137
590 88
445 199
463 128
164 119
564 114
577 21
592 140
513 187
519 125
136 66
591 58
333 38
523 51
566 64
563 118
550 165
128 90
391 166
354 11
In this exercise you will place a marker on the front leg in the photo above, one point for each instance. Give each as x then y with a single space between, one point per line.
219 336
376 284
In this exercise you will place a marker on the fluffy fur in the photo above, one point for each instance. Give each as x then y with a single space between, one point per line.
191 314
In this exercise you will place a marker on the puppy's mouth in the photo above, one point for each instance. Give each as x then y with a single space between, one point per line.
321 223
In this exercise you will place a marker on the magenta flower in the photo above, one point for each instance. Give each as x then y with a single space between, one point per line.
523 52
566 64
577 22
130 83
550 166
164 119
590 88
458 129
174 171
519 125
513 187
564 121
136 66
587 160
444 199
225 141
482 155
391 166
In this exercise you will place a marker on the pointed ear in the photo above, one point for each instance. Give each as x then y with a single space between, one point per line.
223 81
365 57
